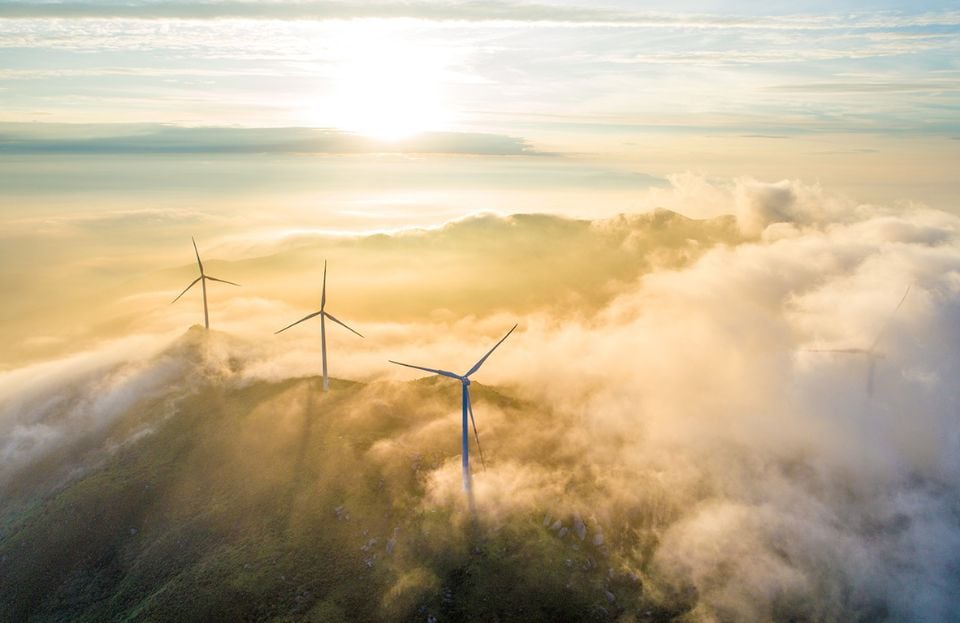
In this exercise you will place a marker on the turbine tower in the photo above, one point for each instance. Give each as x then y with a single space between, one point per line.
467 408
323 326
203 284
871 353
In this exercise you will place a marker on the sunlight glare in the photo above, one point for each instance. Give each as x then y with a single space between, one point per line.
389 89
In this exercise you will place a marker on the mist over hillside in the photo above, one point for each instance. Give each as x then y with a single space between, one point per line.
232 498
666 435
475 266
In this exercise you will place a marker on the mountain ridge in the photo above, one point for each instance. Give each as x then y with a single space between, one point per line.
272 500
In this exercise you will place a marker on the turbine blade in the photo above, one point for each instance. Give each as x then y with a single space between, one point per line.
220 280
440 372
323 290
307 317
889 321
330 316
475 434
477 365
192 283
199 263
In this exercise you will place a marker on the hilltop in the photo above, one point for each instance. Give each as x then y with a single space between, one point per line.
225 498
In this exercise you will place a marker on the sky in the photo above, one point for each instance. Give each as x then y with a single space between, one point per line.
326 100
127 127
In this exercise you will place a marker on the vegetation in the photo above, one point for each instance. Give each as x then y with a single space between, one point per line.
259 501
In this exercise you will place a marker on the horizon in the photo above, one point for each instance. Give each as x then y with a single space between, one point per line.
451 108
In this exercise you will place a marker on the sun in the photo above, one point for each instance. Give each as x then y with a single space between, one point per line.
388 89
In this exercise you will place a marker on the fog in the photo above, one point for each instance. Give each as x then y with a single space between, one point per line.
667 393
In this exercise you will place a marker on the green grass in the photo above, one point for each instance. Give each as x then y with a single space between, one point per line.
274 502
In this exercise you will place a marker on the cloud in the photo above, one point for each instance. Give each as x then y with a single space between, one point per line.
846 152
680 422
768 476
699 379
311 10
865 87
759 205
117 222
51 405
165 139
472 11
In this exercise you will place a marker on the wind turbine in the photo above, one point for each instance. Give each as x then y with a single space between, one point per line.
323 326
467 408
203 284
871 353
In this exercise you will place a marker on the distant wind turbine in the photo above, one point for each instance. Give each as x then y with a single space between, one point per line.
203 284
467 408
871 353
323 326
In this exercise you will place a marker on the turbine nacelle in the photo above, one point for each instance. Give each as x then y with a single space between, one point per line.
871 354
467 409
324 315
202 280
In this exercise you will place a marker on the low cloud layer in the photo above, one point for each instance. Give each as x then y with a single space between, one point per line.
698 13
315 10
689 422
59 139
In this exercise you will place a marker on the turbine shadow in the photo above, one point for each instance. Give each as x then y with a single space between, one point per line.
298 476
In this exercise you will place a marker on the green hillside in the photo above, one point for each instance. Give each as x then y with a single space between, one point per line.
224 499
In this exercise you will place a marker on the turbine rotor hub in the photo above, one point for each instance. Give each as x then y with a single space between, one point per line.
464 380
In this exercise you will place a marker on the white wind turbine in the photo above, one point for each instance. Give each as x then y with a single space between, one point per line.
203 284
323 326
871 352
467 408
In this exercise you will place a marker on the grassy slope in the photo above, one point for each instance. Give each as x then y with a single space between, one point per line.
268 501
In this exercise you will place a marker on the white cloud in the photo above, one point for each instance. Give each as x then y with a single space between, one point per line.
684 413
